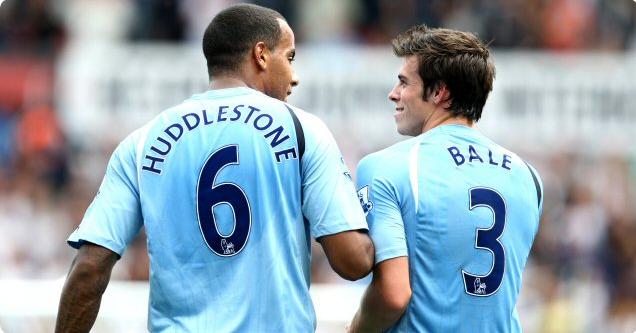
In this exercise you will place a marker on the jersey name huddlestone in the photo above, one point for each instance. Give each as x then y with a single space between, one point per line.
246 114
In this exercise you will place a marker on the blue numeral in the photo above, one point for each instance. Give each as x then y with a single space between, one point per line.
488 239
210 195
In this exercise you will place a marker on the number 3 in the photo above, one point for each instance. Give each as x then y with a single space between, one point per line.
210 195
488 239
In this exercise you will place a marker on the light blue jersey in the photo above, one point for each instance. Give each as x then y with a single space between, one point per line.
220 186
465 211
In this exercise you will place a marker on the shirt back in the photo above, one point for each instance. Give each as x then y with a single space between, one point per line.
218 183
465 211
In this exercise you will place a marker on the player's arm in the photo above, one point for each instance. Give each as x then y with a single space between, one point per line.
111 221
82 293
389 293
386 298
330 204
350 253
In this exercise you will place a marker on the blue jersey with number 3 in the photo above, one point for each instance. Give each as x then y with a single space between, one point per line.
465 211
229 208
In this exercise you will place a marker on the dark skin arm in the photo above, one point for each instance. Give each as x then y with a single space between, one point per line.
350 253
82 293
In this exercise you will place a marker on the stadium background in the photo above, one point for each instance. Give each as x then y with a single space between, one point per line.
77 75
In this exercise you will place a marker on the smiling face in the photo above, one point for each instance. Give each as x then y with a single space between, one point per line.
411 110
280 76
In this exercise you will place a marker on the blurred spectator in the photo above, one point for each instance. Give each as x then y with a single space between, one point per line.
557 25
514 23
621 272
381 20
157 20
29 26
335 28
7 140
568 24
39 132
615 24
41 147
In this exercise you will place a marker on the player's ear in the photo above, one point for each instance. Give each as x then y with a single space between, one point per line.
260 55
442 96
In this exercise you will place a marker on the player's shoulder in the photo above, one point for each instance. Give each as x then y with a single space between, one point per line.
395 153
176 111
392 160
519 164
514 157
128 149
317 136
309 122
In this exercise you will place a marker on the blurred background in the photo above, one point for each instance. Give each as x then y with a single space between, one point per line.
76 76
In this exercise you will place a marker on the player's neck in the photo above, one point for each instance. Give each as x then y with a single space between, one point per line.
226 82
446 119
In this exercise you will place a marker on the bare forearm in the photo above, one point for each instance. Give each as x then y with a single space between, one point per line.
82 292
386 298
79 304
350 254
366 257
358 261
374 314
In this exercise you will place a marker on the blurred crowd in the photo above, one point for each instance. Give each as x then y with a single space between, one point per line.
581 276
583 263
39 25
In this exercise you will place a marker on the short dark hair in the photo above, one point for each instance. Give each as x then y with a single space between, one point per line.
457 59
234 31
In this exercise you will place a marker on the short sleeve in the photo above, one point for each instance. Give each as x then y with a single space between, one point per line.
379 199
113 219
330 203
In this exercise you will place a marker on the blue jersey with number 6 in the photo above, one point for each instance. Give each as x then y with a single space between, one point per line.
465 211
230 185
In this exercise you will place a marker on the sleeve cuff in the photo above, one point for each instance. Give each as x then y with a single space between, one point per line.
76 242
320 232
390 254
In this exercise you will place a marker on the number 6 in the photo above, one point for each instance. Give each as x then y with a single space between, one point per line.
210 195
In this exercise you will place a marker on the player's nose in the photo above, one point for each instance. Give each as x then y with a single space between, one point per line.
393 94
295 80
